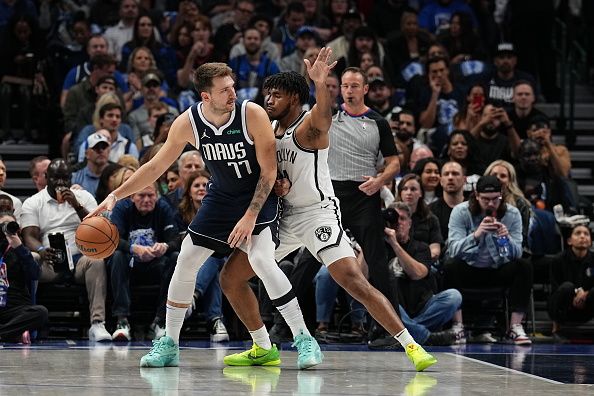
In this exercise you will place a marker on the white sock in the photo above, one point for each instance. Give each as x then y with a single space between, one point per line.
404 338
174 321
291 312
261 338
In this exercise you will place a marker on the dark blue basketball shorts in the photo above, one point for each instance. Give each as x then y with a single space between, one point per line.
219 214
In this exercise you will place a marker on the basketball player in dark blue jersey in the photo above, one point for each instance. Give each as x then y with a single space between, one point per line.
238 216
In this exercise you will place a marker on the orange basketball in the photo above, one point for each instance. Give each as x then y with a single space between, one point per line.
97 237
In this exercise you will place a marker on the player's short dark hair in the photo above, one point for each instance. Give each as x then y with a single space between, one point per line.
205 73
289 82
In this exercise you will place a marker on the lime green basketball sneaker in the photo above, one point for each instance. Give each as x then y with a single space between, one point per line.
164 353
419 357
255 356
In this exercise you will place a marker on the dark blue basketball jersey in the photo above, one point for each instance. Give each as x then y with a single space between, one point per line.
228 152
230 156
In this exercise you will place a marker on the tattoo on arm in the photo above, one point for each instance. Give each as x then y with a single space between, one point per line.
263 189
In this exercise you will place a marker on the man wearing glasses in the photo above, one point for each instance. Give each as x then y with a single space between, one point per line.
476 257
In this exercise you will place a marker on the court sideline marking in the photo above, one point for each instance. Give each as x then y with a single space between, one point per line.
505 368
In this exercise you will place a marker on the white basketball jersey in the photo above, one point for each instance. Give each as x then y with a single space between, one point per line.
307 169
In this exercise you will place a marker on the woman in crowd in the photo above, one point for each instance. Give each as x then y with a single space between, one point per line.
208 289
429 170
469 116
144 36
425 225
461 149
505 172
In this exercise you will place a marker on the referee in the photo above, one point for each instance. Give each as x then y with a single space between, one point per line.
358 136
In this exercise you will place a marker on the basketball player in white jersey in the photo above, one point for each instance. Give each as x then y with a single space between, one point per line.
311 212
237 217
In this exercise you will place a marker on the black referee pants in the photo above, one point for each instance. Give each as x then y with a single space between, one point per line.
361 214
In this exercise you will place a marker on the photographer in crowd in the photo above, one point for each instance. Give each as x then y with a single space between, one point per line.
17 315
423 312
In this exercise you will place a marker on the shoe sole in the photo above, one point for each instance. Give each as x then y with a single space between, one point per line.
271 363
314 361
425 364
174 363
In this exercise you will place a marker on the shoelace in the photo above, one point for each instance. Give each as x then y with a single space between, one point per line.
158 347
254 351
303 342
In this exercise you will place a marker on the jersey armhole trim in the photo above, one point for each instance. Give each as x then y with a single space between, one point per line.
244 122
192 113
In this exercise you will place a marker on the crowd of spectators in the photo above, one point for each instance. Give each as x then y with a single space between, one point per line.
454 82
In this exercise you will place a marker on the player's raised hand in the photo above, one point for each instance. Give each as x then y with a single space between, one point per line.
318 72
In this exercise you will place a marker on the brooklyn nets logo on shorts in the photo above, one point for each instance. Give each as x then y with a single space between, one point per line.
323 233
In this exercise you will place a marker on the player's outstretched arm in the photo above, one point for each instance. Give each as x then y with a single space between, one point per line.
261 133
179 134
321 113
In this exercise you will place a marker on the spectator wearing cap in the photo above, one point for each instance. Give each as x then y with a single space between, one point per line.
523 109
97 156
475 258
364 41
500 83
252 68
152 93
436 15
306 37
379 96
555 157
97 44
284 35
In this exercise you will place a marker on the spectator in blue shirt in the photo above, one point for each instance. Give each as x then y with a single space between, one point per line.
147 251
97 155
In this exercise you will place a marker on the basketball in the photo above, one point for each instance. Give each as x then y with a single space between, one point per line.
97 237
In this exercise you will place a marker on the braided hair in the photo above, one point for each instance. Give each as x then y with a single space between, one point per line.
289 82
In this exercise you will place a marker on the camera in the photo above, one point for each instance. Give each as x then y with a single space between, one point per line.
390 215
9 228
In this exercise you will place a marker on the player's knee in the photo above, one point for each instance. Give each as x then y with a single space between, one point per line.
226 280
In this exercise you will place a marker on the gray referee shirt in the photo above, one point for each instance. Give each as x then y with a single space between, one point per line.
355 144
